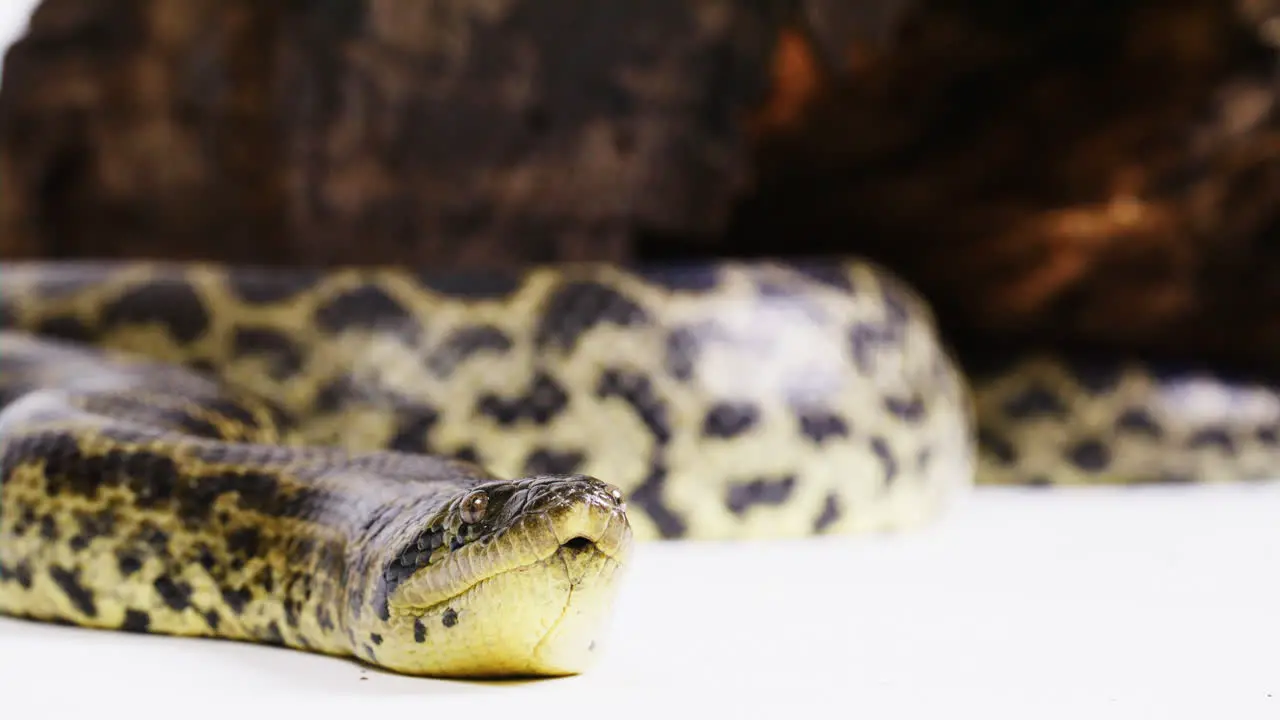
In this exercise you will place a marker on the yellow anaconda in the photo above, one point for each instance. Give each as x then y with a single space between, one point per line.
295 456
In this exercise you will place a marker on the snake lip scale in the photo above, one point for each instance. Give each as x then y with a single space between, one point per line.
445 476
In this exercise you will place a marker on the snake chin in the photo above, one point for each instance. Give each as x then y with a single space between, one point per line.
530 597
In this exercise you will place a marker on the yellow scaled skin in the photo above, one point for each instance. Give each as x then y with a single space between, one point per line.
554 611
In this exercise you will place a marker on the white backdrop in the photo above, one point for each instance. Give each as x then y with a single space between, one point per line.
1160 603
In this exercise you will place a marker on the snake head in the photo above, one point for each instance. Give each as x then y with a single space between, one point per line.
507 577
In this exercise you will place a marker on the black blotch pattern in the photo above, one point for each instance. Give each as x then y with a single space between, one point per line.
268 287
576 307
865 338
818 424
762 491
291 610
69 582
232 411
212 619
375 638
206 559
691 278
419 631
729 419
254 491
203 366
1090 455
128 562
26 520
175 593
150 477
880 447
1032 402
92 525
648 497
363 308
1268 434
236 599
544 461
1139 421
829 515
152 537
681 353
135 621
450 617
909 410
1212 437
544 400
244 542
413 429
22 573
188 423
481 285
174 305
333 395
636 390
998 446
284 357
464 343
265 579
466 453
65 327
896 311
271 634
831 275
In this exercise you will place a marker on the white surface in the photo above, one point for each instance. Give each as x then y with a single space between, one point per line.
1075 604
1086 604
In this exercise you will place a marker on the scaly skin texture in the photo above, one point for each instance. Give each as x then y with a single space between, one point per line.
296 457
125 507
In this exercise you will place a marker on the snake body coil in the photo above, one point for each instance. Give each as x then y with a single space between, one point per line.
295 457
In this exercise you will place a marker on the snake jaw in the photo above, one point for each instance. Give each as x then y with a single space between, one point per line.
532 520
529 593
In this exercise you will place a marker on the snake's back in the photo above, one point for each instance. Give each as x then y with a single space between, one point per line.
726 400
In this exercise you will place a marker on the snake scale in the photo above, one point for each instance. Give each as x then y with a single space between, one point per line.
444 474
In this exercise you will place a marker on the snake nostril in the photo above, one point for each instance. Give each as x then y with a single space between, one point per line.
577 543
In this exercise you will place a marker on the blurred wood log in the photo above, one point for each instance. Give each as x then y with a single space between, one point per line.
450 132
1105 175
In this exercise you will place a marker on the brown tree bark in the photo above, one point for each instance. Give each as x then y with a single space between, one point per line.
450 132
1104 175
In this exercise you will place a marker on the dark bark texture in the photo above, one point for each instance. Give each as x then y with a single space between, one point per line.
1099 173
1105 174
450 132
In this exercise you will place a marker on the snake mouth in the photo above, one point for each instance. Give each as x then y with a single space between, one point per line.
579 530
578 543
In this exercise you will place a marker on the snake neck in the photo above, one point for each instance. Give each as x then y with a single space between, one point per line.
338 530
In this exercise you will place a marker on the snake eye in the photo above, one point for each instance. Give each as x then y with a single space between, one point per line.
474 506
618 498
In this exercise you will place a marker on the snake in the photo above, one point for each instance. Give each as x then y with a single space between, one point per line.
446 473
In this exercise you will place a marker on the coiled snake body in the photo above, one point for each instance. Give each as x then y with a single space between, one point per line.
295 457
